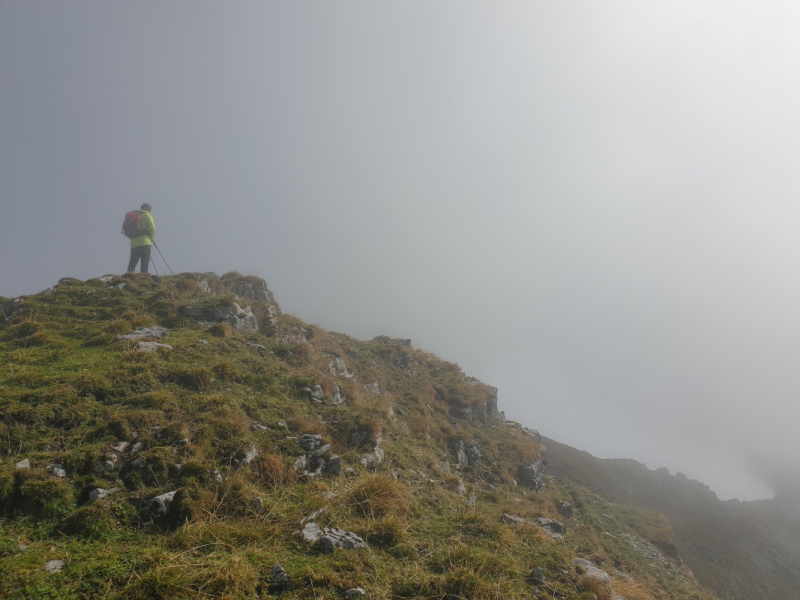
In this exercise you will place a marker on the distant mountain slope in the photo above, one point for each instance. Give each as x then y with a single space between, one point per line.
741 550
186 439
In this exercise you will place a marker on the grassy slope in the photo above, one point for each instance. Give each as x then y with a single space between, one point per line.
69 391
742 550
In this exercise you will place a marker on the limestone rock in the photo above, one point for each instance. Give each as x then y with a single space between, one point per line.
309 442
337 396
334 465
374 388
120 447
473 452
151 346
537 576
54 566
251 455
56 470
354 593
145 332
24 464
159 506
100 493
257 504
512 520
203 285
372 459
565 509
532 476
280 580
317 394
589 570
339 369
551 528
256 290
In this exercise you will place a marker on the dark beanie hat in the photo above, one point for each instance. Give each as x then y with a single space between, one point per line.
146 207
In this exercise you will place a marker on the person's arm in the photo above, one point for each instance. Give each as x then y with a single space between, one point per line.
152 227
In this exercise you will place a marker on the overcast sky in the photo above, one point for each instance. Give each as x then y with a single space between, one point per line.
591 205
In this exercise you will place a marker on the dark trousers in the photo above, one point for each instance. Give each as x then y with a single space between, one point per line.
140 253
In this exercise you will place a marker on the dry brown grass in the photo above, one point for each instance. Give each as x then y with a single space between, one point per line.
378 495
271 471
223 330
302 426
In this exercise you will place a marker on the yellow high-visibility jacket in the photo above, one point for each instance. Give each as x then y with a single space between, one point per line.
149 228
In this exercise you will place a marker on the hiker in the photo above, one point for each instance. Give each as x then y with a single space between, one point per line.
141 229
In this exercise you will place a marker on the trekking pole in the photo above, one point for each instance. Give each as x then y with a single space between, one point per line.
162 257
152 262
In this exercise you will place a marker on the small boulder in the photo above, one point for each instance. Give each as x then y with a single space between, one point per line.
537 576
144 333
54 566
512 520
151 346
590 571
565 509
159 506
57 470
100 493
354 593
257 504
24 464
280 580
309 442
335 464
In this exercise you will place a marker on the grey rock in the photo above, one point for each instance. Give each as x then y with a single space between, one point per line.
537 576
54 566
354 593
46 292
120 447
57 470
218 477
338 368
589 570
137 446
151 346
338 538
460 452
309 442
337 396
138 463
280 580
183 442
106 278
320 451
119 286
241 320
461 489
145 332
24 464
372 459
532 476
335 465
159 506
197 312
312 532
565 509
202 342
374 388
176 468
301 464
256 291
251 455
257 504
100 493
68 281
203 285
257 427
512 520
257 346
473 451
552 524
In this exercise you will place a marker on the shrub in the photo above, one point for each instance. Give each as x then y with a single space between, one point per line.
221 330
272 471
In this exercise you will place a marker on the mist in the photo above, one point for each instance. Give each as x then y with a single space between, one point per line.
590 206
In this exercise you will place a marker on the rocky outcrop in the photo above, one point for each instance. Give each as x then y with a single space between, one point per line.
241 320
151 346
330 538
253 288
532 476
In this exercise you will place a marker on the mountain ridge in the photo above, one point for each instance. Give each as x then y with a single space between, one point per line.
187 439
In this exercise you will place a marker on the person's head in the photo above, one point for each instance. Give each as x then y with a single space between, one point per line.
147 207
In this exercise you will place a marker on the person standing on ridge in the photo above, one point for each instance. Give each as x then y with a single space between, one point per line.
141 229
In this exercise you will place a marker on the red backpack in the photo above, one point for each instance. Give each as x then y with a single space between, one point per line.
132 225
